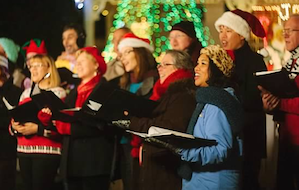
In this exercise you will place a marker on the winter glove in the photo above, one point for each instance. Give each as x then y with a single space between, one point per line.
44 117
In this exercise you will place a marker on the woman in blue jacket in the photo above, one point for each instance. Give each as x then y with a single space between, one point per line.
218 116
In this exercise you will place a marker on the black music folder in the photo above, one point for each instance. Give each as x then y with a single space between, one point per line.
28 111
166 137
120 100
23 113
104 103
278 83
67 76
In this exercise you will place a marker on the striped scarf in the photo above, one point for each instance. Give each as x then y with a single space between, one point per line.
293 63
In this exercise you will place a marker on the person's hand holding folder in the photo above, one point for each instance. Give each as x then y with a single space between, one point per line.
278 83
45 116
25 129
270 102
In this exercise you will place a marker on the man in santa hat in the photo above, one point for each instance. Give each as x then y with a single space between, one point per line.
234 29
286 112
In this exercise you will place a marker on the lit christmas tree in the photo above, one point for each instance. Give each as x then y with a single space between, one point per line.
153 19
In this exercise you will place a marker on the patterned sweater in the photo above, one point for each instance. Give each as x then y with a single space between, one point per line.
39 144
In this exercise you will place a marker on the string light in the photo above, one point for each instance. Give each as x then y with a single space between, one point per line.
153 19
105 12
79 4
283 10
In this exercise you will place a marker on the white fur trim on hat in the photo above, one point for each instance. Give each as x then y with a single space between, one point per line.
134 42
235 22
3 61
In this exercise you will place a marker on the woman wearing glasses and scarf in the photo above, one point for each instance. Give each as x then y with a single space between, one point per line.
175 93
39 145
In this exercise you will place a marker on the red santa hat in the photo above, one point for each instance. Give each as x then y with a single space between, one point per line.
242 23
95 53
131 40
32 47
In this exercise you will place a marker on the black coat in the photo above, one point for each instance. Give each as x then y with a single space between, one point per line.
247 62
88 151
159 167
8 144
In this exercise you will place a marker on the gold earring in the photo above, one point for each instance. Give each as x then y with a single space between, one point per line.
95 72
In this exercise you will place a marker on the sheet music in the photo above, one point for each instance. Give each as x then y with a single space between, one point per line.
7 104
95 106
157 131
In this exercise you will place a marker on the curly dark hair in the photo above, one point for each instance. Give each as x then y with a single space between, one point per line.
218 79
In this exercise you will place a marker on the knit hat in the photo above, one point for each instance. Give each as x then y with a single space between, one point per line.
220 58
36 47
242 23
100 60
131 40
185 26
11 49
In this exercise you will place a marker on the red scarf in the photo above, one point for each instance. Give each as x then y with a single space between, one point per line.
160 89
231 54
84 90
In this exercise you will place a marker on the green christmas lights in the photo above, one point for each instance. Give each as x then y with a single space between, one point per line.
157 16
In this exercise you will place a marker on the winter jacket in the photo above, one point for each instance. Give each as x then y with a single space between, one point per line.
159 166
87 148
217 167
248 62
8 144
289 130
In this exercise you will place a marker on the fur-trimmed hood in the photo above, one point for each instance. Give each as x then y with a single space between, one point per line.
186 84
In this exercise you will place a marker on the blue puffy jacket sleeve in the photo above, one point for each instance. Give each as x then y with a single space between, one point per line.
211 124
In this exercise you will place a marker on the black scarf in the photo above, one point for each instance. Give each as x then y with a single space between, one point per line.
232 110
223 100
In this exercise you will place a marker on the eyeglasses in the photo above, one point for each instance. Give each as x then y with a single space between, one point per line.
176 36
288 31
36 65
164 65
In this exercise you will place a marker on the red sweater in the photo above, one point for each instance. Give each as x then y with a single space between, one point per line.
289 130
39 144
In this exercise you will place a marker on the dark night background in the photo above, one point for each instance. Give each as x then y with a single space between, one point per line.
23 20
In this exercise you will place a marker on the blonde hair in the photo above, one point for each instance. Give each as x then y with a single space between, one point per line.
54 77
88 55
